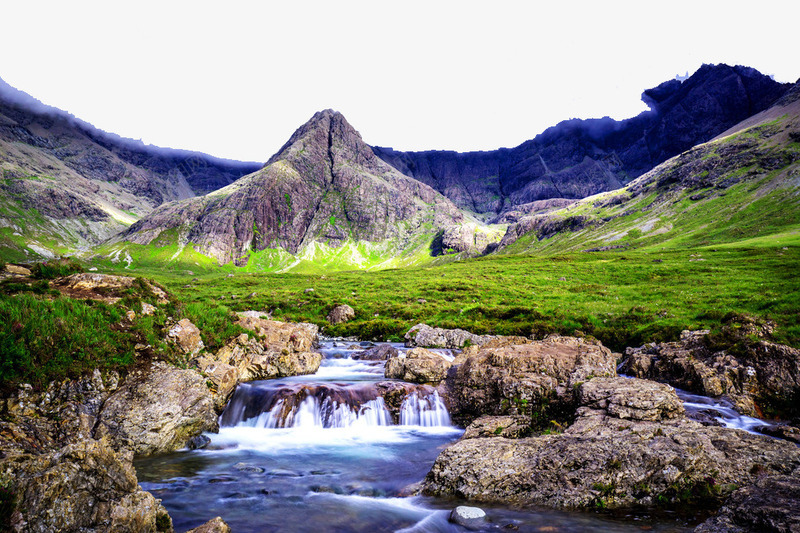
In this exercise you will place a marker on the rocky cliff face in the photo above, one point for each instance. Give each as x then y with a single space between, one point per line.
324 187
578 158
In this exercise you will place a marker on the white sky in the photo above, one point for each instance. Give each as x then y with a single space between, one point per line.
235 79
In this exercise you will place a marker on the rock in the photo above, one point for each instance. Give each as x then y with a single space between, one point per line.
780 431
65 413
381 352
248 468
18 270
634 399
469 517
198 443
772 503
509 427
417 365
761 376
308 291
277 353
605 461
428 337
106 287
535 379
495 342
394 393
148 309
215 525
85 486
186 336
157 410
222 377
341 313
300 337
467 238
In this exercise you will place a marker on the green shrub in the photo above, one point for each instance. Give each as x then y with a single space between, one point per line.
55 269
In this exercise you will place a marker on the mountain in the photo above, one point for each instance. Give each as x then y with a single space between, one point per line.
65 185
742 187
578 158
324 199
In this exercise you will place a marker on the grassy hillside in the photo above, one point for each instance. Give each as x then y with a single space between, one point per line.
741 190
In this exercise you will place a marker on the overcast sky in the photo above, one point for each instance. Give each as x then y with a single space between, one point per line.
235 79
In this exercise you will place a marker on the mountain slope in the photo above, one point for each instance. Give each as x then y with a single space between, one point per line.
324 198
66 185
578 158
741 189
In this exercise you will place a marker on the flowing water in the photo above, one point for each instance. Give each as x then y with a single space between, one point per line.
719 410
336 451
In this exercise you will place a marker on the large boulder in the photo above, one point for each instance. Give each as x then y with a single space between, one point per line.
602 460
158 409
633 399
427 337
537 379
85 486
761 377
772 503
341 313
417 365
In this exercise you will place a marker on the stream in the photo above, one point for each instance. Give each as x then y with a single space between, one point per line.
325 452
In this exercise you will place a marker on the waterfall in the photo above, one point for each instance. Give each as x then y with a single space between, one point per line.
328 413
428 410
273 406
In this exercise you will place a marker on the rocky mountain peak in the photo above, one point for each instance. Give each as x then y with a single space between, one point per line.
323 191
328 137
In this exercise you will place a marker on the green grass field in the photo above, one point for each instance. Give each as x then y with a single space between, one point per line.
623 299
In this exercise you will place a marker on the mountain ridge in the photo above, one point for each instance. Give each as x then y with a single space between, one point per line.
580 157
742 185
324 188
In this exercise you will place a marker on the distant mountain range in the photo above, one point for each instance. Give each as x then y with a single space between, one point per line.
578 158
327 200
743 188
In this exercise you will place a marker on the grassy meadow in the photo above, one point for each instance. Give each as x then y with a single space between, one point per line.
623 299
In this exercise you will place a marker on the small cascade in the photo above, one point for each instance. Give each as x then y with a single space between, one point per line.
305 405
327 413
332 405
703 407
421 409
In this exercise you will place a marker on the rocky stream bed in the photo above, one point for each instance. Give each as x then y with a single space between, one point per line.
276 431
